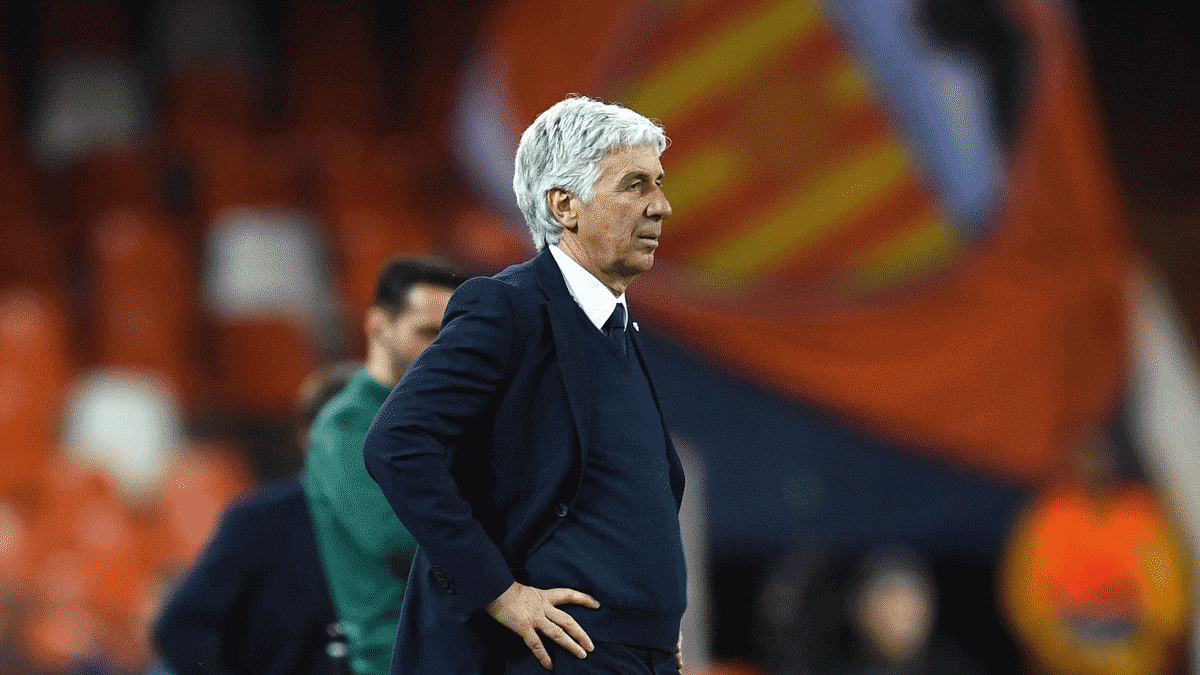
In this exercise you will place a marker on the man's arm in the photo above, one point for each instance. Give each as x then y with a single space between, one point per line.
190 633
406 449
442 395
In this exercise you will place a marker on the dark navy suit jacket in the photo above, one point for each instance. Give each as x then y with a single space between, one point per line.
479 451
256 600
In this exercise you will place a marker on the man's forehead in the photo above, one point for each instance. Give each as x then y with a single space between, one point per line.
635 159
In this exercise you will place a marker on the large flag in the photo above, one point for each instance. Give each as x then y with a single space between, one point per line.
815 245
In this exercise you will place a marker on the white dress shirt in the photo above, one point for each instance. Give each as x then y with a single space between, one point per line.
593 296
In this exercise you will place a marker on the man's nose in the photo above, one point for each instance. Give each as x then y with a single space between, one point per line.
659 207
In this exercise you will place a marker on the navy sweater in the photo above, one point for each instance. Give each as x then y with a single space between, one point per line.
620 541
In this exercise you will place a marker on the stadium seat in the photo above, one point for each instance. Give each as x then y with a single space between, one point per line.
59 636
67 27
334 76
204 479
15 559
127 422
144 292
266 286
104 180
85 104
234 169
367 236
34 367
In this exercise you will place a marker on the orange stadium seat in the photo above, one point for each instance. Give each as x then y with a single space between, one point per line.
370 212
366 236
32 254
236 168
262 364
267 288
86 553
57 636
336 93
205 478
34 366
487 242
63 485
334 74
145 313
66 26
16 562
103 181
202 102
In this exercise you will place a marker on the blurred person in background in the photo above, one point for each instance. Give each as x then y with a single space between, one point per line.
1094 581
526 448
365 549
871 613
256 600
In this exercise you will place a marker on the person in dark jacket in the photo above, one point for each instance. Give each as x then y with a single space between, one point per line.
256 602
525 450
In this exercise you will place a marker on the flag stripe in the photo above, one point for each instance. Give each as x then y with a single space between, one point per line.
713 66
798 221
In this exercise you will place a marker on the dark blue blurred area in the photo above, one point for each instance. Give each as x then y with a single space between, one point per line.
782 474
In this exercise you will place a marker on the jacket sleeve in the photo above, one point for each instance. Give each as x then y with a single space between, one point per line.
440 397
190 633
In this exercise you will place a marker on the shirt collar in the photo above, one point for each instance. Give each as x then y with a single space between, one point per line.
593 297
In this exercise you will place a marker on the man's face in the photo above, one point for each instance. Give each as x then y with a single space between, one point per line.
619 230
414 329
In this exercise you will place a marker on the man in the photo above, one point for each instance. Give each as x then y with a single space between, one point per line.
256 601
525 450
365 549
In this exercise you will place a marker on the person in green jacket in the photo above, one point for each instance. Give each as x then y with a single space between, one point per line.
365 550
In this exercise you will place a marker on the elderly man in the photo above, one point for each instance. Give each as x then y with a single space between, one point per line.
525 450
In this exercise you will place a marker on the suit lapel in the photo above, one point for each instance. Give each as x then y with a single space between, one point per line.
574 361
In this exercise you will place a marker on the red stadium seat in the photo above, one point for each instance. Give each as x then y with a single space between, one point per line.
267 288
203 481
145 313
334 71
262 364
34 366
366 237
236 168
204 102
66 26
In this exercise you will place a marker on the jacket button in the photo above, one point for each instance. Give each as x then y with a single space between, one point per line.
561 510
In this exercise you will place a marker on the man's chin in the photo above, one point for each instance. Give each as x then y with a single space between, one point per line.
641 263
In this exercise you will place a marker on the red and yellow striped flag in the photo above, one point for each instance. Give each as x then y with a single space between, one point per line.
805 248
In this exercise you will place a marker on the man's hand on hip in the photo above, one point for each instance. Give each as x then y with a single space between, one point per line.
525 610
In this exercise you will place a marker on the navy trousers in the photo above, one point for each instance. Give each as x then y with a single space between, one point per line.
608 658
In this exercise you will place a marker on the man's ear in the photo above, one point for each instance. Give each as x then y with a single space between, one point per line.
564 206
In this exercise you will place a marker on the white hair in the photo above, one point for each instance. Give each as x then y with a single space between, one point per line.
563 148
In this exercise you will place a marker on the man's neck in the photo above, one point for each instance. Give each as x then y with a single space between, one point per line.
579 254
380 366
